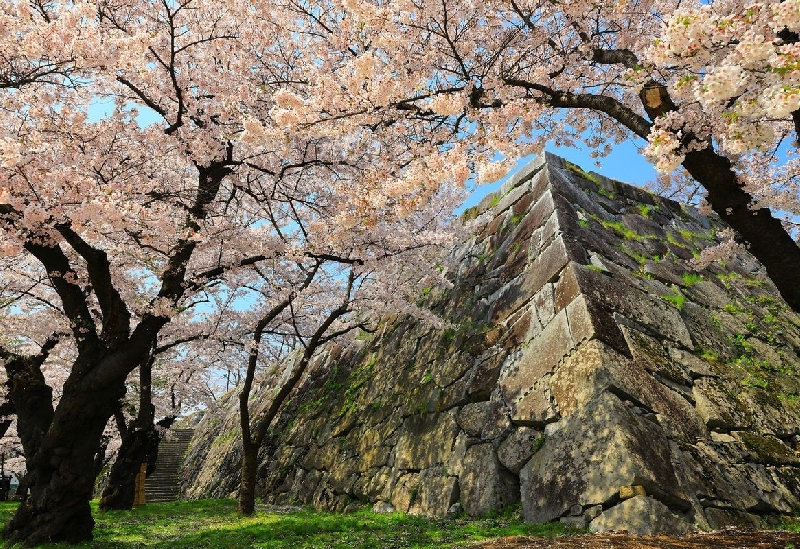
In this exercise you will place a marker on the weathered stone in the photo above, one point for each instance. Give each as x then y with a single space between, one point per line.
536 407
697 367
641 515
588 321
511 198
719 518
567 287
454 511
596 450
629 302
426 441
522 206
486 486
383 507
540 358
518 447
541 270
454 464
594 367
543 302
498 422
767 450
627 492
484 377
405 492
472 418
662 271
521 330
373 484
740 485
593 512
649 354
486 420
575 522
436 493
717 406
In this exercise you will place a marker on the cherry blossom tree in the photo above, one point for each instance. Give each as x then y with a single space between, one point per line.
301 307
710 87
119 223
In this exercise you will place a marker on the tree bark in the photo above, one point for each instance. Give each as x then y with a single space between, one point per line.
60 476
247 486
119 491
138 443
767 239
60 445
251 441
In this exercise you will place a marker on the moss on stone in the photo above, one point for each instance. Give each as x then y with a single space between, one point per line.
768 450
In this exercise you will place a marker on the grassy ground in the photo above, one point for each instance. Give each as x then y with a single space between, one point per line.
214 523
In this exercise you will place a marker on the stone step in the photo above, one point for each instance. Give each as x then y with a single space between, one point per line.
163 484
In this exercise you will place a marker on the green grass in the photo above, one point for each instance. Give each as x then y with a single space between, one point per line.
214 523
677 299
689 279
645 209
621 230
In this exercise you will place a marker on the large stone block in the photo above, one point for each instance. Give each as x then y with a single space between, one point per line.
543 269
426 441
595 368
436 492
587 321
486 485
590 454
646 310
405 492
540 358
641 515
518 448
524 388
472 417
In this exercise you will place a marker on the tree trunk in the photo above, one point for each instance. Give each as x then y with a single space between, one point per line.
119 491
138 443
60 476
251 442
767 239
247 486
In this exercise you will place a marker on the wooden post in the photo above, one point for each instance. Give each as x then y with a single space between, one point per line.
138 490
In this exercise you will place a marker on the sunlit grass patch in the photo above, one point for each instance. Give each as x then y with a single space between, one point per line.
215 524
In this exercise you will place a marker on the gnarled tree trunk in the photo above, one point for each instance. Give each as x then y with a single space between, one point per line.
59 480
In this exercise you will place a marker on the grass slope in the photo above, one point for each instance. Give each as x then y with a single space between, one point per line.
214 523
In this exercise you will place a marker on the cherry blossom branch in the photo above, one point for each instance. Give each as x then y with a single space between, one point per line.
62 275
603 103
116 317
265 418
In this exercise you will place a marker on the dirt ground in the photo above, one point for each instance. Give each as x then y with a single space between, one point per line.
726 539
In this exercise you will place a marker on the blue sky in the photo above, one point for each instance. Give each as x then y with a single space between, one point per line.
625 164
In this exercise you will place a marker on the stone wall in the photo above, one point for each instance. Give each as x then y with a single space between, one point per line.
590 374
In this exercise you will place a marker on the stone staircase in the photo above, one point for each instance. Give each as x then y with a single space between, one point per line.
162 485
